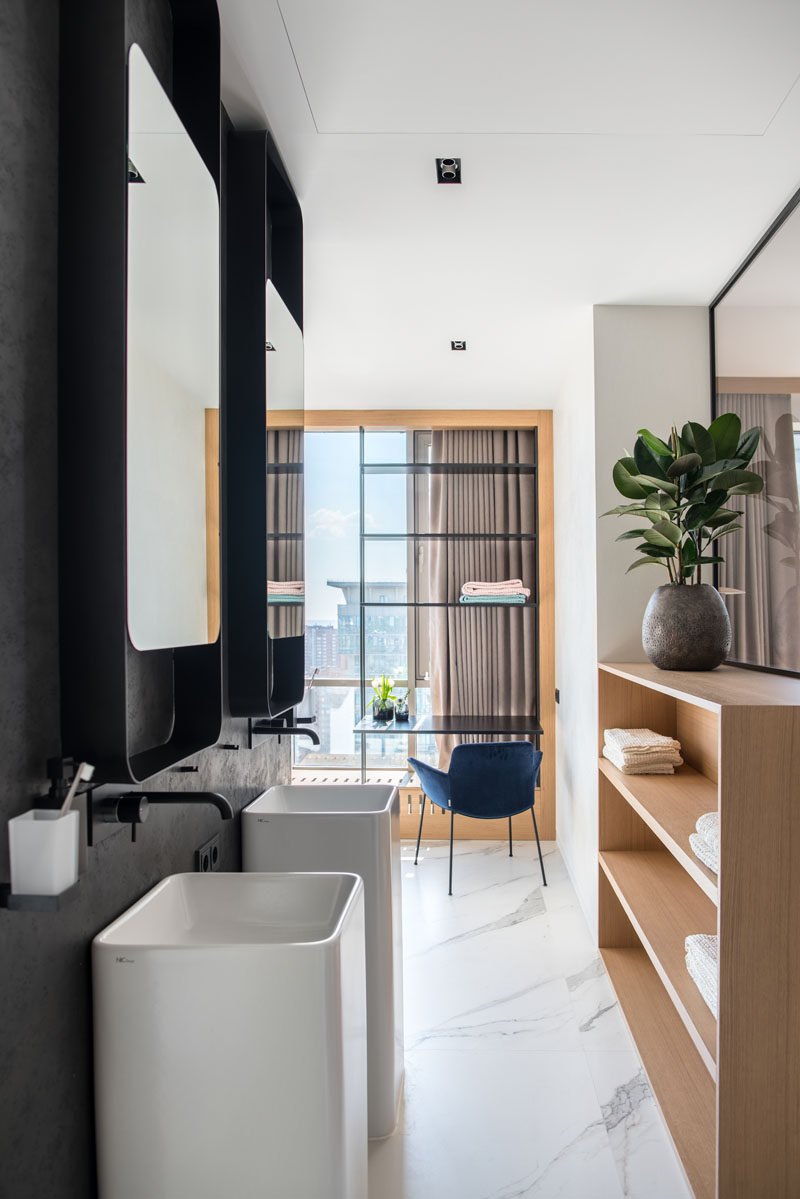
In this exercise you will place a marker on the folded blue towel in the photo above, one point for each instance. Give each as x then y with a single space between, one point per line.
285 599
491 599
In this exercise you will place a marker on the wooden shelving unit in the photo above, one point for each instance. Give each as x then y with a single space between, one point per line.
729 1088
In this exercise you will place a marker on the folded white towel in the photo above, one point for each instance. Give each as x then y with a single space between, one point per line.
708 828
634 757
503 587
653 766
287 587
639 740
702 962
706 852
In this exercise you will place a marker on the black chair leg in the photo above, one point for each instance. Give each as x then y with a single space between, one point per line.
450 892
510 846
538 846
421 818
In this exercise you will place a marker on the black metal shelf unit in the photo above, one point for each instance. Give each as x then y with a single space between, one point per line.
471 724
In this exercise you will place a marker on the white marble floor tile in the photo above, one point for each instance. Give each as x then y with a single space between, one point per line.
484 1125
647 1165
521 1078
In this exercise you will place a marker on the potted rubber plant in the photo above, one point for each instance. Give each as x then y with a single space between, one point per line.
679 492
383 701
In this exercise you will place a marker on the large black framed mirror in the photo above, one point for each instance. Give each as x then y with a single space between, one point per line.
138 694
755 327
265 592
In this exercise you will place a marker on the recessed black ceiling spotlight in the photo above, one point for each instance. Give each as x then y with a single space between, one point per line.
448 170
458 345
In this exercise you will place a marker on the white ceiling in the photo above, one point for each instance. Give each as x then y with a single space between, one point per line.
618 153
534 66
773 279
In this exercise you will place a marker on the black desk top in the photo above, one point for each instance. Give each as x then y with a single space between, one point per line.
454 725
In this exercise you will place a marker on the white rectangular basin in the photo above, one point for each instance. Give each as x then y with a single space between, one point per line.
230 1040
349 828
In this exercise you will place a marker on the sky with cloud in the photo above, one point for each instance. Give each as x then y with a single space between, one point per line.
332 508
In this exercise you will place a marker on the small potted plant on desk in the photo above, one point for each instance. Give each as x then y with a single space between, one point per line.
383 703
401 708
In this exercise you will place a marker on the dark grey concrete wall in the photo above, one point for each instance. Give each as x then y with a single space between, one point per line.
46 1105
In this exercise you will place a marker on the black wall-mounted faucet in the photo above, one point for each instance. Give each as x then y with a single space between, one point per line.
281 726
132 807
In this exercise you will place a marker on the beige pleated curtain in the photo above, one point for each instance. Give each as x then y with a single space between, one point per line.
284 515
482 659
763 560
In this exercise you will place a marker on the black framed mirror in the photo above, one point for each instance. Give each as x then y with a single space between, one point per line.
755 329
265 594
134 699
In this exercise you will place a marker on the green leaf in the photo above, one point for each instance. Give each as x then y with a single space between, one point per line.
657 505
700 514
684 465
704 561
625 510
667 529
725 432
624 476
741 482
656 551
748 444
631 533
689 552
655 443
715 536
647 462
658 484
643 562
723 517
701 441
655 537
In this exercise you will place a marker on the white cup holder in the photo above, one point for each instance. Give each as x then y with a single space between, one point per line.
43 848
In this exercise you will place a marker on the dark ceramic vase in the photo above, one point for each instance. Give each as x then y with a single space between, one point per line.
382 713
686 627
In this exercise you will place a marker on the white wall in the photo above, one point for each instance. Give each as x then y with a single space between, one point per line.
576 618
631 367
757 341
651 371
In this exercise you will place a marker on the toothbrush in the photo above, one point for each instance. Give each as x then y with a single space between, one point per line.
83 773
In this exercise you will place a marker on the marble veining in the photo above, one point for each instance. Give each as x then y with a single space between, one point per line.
522 1081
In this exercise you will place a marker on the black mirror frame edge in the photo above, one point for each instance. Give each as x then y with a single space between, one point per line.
94 641
263 240
780 219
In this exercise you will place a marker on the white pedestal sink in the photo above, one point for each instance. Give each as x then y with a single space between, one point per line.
230 1040
351 828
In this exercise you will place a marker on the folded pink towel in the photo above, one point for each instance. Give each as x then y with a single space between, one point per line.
504 587
287 587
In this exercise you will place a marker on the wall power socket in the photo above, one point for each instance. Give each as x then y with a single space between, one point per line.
207 857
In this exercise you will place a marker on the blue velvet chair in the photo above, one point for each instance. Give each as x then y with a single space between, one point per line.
488 782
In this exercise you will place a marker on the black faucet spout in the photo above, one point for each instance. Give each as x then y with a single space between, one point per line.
223 805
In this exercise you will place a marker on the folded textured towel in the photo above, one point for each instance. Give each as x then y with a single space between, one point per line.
272 598
286 586
708 828
704 851
702 962
492 599
503 587
653 766
639 740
